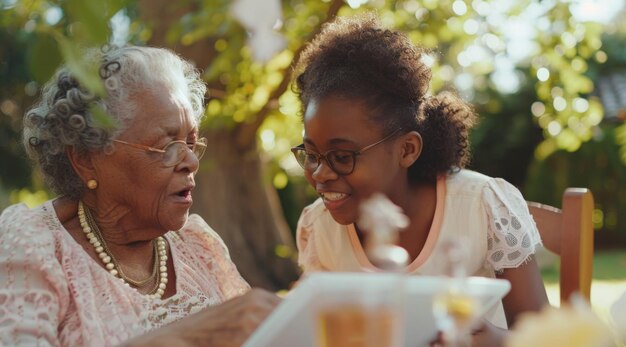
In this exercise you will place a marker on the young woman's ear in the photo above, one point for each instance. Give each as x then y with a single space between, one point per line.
411 148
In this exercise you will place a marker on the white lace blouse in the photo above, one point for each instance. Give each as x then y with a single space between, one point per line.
52 293
488 214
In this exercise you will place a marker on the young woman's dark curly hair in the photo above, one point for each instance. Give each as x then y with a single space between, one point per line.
357 59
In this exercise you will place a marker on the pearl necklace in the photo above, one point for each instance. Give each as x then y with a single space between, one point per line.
92 232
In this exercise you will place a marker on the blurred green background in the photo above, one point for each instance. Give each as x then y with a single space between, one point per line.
547 78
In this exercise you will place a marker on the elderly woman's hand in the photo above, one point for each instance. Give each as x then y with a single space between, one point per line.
225 325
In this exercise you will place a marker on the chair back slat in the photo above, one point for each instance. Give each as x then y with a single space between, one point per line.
568 232
548 220
577 243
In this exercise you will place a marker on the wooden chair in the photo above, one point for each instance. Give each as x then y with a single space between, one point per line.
568 232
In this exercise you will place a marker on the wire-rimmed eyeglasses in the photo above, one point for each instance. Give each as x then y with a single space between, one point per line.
341 161
174 152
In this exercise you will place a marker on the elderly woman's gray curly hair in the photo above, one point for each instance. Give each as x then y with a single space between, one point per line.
62 118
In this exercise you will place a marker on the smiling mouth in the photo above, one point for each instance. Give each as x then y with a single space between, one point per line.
331 196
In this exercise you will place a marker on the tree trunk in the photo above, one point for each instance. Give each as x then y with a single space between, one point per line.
233 195
236 200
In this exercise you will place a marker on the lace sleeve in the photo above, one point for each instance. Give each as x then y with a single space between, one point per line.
215 256
31 281
308 257
512 233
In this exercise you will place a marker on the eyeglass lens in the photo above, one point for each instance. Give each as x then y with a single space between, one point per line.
342 162
176 151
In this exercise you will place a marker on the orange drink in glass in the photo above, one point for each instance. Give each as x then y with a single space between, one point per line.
365 319
355 326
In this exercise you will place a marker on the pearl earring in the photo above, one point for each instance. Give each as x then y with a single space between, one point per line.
92 184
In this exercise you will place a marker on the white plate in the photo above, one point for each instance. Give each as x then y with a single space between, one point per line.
293 322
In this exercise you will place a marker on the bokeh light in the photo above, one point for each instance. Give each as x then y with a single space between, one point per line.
537 108
543 74
459 7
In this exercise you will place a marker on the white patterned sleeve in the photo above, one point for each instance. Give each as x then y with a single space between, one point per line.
512 234
31 282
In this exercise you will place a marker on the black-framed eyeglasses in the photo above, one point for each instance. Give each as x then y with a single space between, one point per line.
174 152
341 161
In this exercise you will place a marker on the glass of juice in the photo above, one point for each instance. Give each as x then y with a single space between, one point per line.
362 317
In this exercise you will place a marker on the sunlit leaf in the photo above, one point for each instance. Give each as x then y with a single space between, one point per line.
259 98
595 112
545 148
93 19
86 73
283 251
568 140
43 58
280 180
213 107
102 119
31 199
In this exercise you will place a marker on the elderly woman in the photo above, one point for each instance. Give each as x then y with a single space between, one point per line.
116 255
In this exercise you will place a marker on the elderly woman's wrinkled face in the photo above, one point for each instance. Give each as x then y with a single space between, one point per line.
136 181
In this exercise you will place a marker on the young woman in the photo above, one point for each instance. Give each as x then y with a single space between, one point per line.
371 127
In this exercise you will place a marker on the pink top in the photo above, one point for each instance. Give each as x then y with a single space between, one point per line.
52 293
433 235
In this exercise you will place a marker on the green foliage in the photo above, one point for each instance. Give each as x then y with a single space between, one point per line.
550 120
101 118
239 86
504 141
85 73
566 52
62 29
36 37
607 266
31 199
596 165
91 18
44 46
14 168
